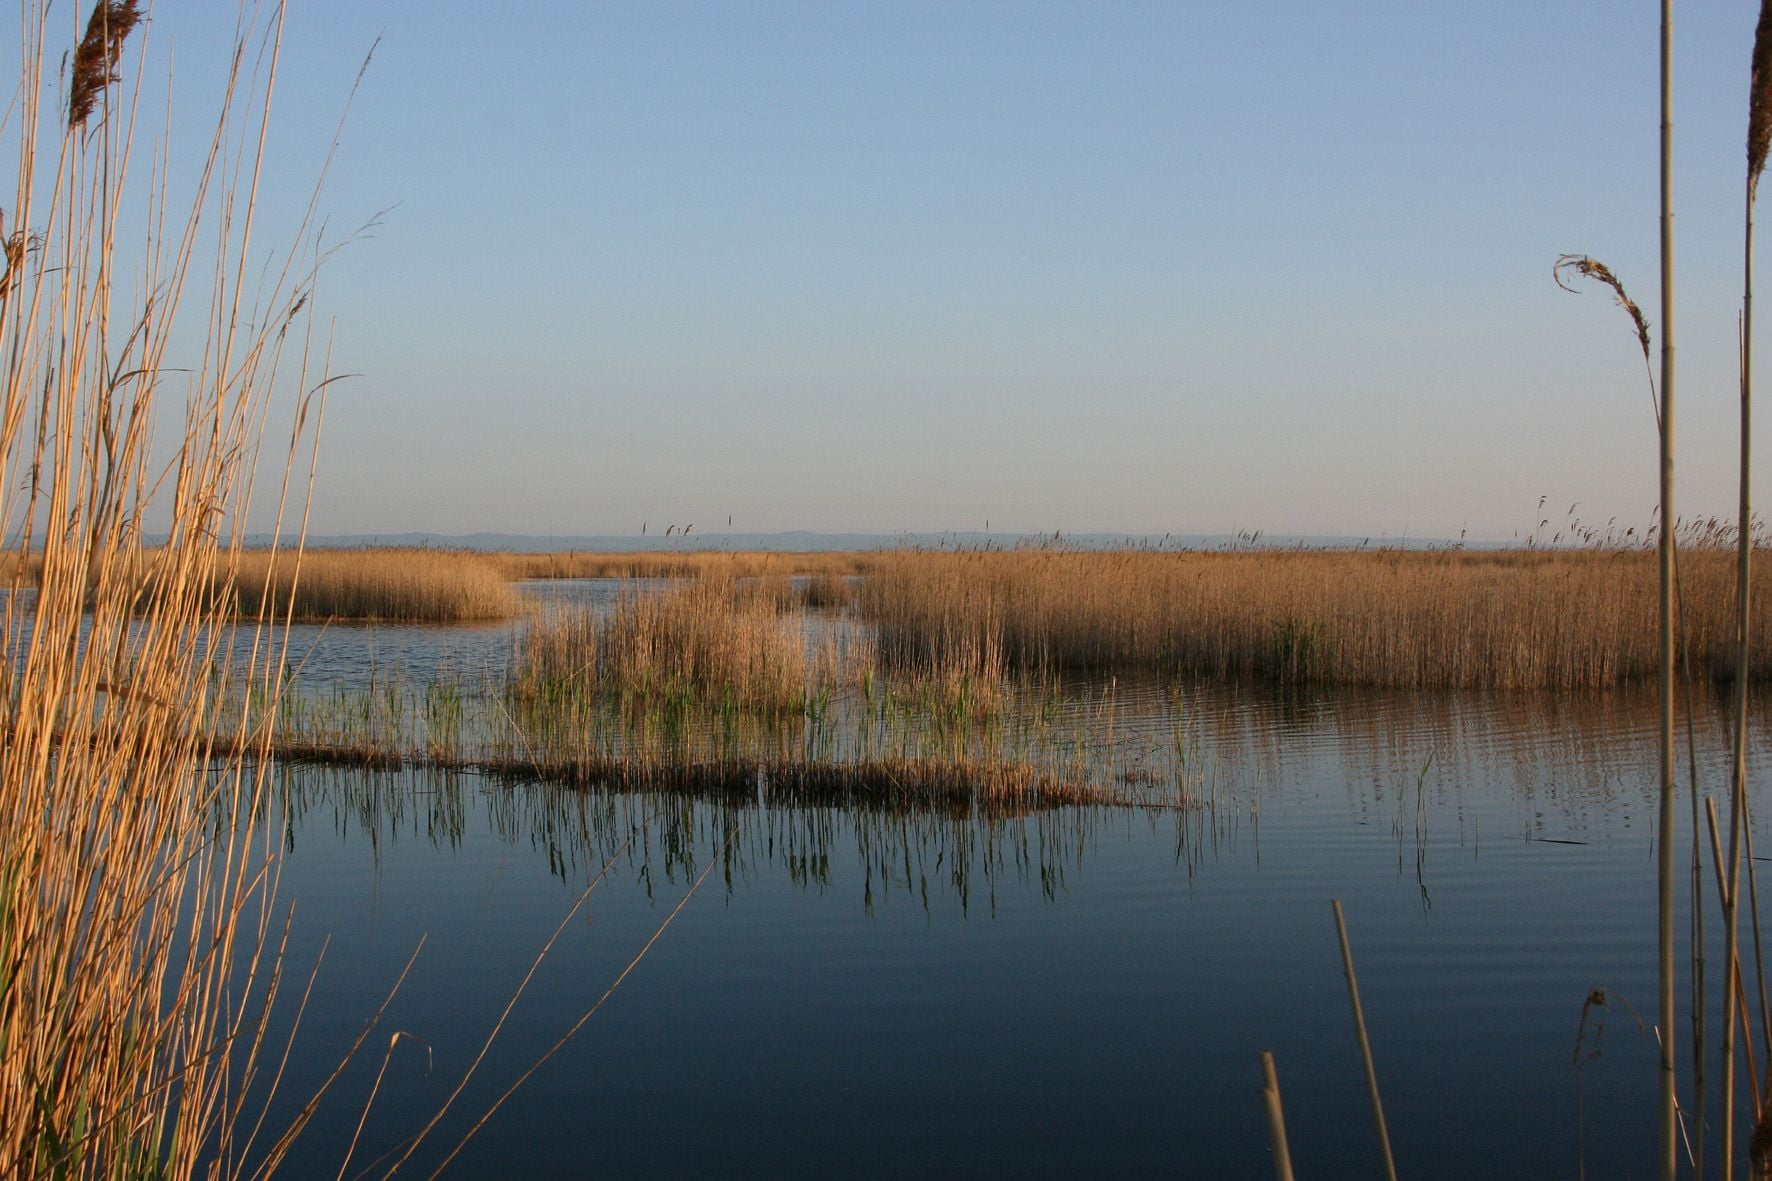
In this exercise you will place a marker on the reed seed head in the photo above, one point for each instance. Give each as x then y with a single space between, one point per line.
1599 272
95 61
12 256
1759 102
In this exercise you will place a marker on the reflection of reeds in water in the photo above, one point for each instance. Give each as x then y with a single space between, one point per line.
917 854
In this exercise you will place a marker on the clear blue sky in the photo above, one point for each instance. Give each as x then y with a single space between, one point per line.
1148 267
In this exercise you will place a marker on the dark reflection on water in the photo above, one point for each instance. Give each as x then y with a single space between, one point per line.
936 858
1075 991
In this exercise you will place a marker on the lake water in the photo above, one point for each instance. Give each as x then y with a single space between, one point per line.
1083 991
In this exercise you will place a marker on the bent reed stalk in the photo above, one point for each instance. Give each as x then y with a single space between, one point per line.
138 951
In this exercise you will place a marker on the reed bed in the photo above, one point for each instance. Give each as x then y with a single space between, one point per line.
365 585
1405 619
709 688
716 564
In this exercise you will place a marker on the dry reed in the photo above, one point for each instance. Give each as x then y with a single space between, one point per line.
138 954
705 642
1599 272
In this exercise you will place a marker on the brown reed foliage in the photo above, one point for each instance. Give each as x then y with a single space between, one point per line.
1408 619
387 585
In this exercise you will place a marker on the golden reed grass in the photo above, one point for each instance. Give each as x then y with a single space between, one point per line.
1406 619
389 585
138 950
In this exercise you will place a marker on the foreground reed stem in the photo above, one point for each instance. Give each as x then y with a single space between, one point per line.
1353 993
1276 1118
1669 1112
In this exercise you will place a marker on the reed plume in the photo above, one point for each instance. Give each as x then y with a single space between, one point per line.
1759 108
12 253
1599 272
97 56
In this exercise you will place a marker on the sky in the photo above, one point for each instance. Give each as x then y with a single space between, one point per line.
1139 267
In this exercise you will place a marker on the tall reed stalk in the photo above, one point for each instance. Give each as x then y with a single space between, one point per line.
1665 849
1759 133
138 950
1759 137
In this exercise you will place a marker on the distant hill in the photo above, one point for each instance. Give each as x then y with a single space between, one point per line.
802 541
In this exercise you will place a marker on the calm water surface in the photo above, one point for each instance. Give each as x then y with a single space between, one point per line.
1084 991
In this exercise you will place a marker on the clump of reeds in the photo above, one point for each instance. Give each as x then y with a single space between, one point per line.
826 591
389 585
706 642
137 955
774 591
